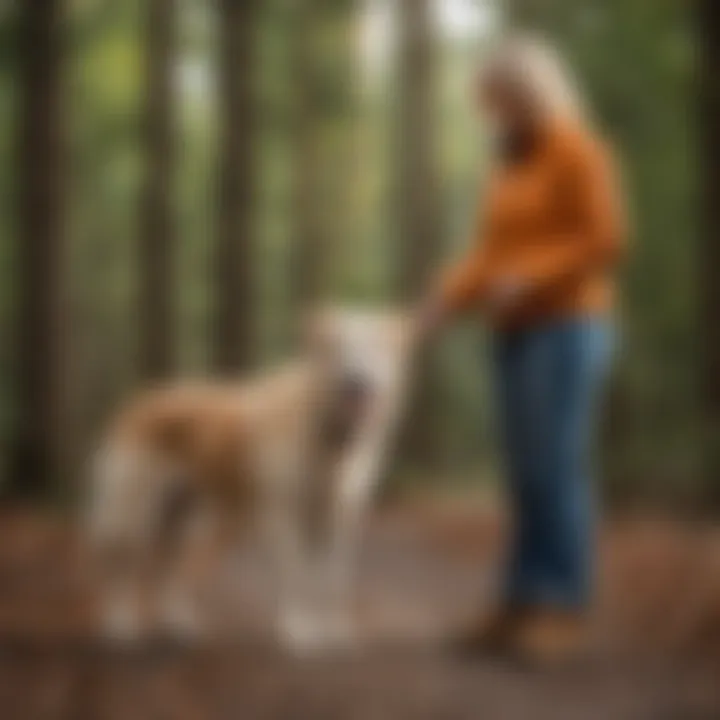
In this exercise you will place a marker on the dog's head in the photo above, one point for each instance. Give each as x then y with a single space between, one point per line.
364 358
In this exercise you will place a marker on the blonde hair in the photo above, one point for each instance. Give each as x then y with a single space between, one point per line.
532 71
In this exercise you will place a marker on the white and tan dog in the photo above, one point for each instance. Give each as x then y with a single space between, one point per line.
296 453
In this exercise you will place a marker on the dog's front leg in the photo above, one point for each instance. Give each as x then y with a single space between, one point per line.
356 483
283 531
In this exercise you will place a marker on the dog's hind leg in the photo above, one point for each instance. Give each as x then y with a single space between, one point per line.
121 597
131 530
191 552
116 540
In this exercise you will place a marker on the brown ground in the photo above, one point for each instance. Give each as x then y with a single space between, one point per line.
657 654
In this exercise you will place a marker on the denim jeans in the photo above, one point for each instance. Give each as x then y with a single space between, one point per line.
549 380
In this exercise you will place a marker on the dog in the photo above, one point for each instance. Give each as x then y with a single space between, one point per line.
294 454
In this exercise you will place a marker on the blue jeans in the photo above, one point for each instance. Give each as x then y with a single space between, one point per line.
549 380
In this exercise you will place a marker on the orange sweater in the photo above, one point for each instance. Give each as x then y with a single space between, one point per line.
555 223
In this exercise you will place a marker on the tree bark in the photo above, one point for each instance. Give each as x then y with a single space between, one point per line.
308 248
709 94
156 312
418 197
36 446
234 331
323 67
527 14
417 152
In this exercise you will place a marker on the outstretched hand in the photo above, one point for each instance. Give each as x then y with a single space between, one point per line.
505 293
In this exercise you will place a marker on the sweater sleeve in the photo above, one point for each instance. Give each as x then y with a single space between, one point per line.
595 238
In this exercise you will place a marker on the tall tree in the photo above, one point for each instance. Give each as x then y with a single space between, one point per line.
418 212
417 149
527 14
36 446
234 331
709 87
308 248
323 65
156 315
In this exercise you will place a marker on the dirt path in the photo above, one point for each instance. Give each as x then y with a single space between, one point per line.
423 573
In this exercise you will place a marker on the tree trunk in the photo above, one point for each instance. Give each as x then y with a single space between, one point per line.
418 195
234 331
709 89
418 190
156 316
527 14
36 446
308 252
322 67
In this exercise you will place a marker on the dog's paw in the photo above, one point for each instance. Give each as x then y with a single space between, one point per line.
300 634
121 623
179 619
309 635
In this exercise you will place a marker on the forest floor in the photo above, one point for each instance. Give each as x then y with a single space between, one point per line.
426 568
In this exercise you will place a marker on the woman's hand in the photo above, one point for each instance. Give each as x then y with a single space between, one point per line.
504 293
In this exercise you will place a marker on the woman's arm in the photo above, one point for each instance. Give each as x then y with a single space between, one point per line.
459 287
464 283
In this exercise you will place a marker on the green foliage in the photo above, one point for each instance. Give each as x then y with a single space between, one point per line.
634 58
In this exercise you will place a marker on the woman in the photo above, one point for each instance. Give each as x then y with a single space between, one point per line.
541 271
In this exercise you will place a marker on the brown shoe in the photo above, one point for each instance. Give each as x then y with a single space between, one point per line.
489 636
549 637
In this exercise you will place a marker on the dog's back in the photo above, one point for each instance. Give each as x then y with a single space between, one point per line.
197 431
211 436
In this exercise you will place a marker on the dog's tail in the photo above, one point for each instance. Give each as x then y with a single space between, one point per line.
110 512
